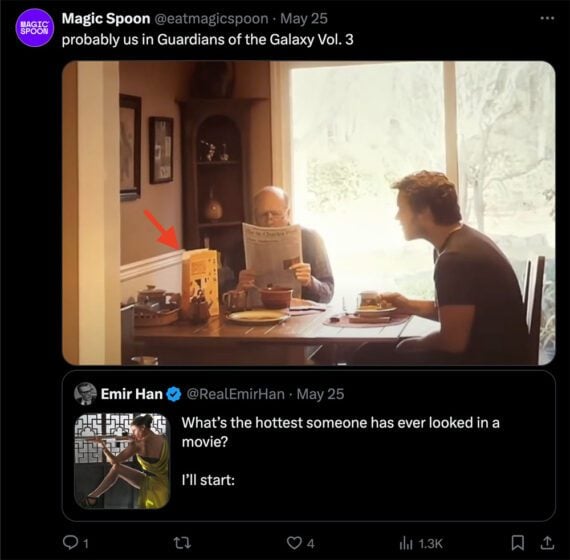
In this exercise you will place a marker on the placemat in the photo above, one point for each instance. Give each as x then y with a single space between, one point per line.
343 321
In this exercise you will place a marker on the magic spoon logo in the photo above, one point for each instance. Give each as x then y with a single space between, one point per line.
34 27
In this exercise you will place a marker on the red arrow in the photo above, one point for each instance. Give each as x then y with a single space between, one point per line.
168 236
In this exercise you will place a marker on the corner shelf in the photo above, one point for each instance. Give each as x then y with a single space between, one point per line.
223 125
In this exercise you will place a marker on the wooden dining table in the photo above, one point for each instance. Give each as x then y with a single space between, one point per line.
291 342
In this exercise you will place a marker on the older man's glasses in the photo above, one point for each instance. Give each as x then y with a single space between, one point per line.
271 215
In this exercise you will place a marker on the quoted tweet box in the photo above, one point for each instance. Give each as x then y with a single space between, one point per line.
369 446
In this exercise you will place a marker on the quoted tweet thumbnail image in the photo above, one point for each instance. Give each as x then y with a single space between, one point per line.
122 460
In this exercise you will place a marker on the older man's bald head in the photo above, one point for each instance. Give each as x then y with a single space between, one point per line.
271 207
272 190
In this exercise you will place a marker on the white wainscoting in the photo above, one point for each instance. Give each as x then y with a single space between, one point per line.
163 271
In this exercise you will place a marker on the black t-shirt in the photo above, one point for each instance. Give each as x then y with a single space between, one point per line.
471 270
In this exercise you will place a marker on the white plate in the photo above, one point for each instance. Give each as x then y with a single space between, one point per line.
375 312
258 317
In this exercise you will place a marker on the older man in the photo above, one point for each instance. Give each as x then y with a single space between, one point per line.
478 300
271 209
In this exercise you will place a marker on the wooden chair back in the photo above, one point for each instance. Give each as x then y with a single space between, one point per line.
532 299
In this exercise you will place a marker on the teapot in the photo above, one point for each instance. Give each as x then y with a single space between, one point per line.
151 295
156 299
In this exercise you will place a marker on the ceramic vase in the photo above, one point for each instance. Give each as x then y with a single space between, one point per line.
213 210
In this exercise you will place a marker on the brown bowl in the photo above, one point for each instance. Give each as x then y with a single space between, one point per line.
276 297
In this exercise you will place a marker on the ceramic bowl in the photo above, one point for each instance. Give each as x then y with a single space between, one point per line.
276 297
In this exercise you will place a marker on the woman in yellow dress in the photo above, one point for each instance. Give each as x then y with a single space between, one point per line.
152 453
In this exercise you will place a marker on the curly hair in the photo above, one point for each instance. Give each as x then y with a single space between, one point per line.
433 190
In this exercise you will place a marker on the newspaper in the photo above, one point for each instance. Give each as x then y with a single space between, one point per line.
269 252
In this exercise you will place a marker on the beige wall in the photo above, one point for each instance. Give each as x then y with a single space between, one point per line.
160 84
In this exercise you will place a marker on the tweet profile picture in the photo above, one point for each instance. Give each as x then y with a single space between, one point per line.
85 393
34 27
122 461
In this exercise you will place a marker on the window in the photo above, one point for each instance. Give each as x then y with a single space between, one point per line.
354 128
90 425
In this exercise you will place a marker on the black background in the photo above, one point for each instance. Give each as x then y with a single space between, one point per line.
32 364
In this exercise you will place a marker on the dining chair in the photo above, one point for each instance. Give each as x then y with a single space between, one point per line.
526 279
532 300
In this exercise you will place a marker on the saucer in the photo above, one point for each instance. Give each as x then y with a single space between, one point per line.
370 312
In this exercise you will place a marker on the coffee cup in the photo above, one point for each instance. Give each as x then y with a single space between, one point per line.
235 300
369 298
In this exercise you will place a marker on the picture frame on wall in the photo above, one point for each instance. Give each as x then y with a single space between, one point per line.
130 146
161 149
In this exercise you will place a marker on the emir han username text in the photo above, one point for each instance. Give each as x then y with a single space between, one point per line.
265 394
